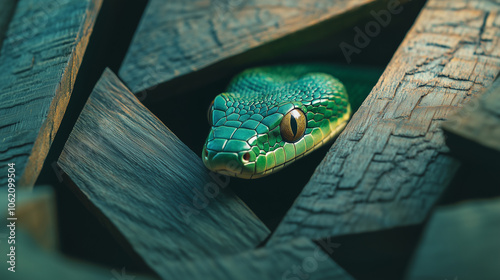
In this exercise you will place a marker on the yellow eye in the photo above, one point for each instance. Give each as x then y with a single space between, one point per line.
209 113
293 125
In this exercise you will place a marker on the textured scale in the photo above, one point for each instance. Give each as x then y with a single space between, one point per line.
245 139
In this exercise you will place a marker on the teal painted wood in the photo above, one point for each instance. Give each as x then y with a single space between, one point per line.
178 38
151 189
7 8
460 242
39 61
390 165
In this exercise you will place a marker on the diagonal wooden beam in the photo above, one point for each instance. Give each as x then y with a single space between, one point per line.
151 190
175 39
390 165
39 61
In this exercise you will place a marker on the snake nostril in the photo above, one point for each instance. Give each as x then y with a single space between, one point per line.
246 157
206 154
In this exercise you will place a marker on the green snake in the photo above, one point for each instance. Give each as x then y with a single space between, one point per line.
269 117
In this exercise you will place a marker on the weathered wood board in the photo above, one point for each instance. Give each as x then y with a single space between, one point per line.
460 242
474 131
7 8
151 189
39 61
390 165
298 259
197 34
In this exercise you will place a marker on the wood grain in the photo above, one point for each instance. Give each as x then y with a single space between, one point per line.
178 38
298 259
39 61
473 132
7 8
460 242
151 189
390 164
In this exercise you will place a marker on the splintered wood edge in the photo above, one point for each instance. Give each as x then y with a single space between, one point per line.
390 164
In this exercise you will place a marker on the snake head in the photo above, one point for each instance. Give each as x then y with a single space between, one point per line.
253 135
248 140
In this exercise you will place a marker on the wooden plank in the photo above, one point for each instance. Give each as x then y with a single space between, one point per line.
178 38
39 61
298 259
390 164
7 8
460 242
473 133
149 187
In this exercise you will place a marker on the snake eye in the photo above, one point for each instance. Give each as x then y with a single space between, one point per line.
209 113
293 125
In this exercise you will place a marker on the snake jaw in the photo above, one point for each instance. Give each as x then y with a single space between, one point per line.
229 163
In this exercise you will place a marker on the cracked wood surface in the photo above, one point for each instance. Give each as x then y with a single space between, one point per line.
153 192
390 165
175 38
474 131
39 61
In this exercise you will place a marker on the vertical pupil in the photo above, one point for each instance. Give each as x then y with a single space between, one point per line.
293 125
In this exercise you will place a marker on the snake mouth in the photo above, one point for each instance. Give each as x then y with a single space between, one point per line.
229 163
